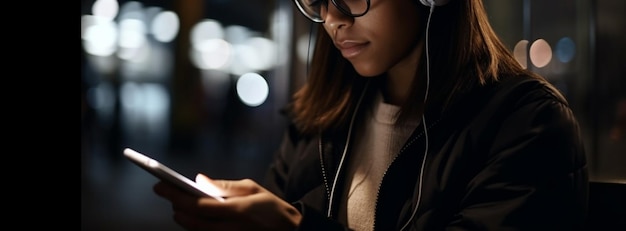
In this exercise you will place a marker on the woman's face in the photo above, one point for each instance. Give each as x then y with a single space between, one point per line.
379 40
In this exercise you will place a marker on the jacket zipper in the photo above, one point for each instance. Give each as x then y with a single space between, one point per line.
323 169
391 163
329 190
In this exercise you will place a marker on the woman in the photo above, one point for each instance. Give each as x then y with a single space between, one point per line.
415 116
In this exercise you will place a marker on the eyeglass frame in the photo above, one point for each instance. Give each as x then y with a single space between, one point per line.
341 9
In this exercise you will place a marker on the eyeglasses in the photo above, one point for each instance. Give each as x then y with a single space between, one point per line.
312 9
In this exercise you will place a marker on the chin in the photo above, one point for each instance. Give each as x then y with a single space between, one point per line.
370 70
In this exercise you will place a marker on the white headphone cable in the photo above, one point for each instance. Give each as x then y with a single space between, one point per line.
345 150
419 189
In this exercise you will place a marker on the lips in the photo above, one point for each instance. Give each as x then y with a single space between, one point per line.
350 49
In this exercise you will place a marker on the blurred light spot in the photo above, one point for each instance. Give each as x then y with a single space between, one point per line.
280 20
265 53
214 53
520 53
132 38
130 95
165 26
252 89
105 8
242 56
140 60
236 34
100 38
144 109
143 55
131 9
195 56
205 30
540 53
157 104
148 100
565 49
102 99
304 46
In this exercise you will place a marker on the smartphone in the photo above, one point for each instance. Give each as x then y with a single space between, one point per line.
165 173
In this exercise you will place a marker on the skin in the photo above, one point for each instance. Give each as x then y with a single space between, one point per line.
247 206
382 41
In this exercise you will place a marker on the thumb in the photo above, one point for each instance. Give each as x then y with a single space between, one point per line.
208 185
228 188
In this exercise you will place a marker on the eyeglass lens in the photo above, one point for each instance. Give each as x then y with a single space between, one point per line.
313 8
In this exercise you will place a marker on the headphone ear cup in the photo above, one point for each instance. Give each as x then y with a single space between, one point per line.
430 3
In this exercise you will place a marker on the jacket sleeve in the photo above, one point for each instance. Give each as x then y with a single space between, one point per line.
534 175
277 178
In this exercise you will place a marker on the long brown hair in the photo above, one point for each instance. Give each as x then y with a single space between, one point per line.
464 51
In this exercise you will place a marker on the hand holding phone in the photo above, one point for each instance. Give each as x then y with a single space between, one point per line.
164 173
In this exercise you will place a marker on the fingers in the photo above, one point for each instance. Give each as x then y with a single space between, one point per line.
235 191
235 206
248 206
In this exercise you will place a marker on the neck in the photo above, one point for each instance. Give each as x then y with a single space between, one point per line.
399 79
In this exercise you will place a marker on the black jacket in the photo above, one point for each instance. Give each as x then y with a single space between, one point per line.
509 156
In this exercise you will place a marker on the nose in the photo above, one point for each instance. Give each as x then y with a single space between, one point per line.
334 18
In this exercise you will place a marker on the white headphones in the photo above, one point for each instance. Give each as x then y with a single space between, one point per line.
431 4
434 2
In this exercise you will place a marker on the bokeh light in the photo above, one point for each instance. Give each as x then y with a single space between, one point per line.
99 35
105 8
252 89
165 26
213 53
565 49
540 53
520 53
132 37
205 30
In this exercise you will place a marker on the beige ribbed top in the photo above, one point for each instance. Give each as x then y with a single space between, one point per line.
376 142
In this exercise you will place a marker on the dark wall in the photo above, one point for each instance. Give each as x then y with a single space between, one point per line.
607 206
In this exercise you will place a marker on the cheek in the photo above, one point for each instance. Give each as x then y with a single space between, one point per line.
388 47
